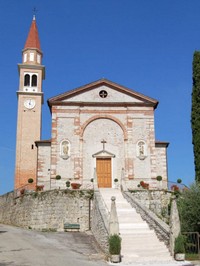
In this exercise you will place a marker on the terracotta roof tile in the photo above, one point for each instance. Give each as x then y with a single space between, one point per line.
33 37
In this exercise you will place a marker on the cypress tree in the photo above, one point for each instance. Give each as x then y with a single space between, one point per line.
195 115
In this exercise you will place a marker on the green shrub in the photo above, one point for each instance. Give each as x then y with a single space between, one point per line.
159 178
68 184
30 180
58 177
115 180
114 244
179 246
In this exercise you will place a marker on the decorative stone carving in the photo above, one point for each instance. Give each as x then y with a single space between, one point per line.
141 150
65 149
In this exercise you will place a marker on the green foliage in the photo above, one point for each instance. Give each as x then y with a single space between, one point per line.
179 246
179 180
114 244
67 183
30 180
159 178
58 177
192 256
195 121
189 209
115 180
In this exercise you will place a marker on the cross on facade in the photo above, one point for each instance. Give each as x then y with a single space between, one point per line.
103 94
104 142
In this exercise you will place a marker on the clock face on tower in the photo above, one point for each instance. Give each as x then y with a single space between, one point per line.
29 103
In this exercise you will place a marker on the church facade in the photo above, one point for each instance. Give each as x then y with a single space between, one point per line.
101 130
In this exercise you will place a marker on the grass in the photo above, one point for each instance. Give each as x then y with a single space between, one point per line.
192 256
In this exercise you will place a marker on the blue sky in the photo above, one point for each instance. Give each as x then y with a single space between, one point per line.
144 45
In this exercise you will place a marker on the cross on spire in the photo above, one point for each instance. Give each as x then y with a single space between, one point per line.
104 142
34 12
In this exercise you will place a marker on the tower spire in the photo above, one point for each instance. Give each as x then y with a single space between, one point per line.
33 40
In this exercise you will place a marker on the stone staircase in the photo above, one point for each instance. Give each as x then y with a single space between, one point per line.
139 242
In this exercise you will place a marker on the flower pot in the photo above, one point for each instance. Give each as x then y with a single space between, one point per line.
115 258
180 256
75 185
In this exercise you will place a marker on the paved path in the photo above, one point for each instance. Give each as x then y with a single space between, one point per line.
21 247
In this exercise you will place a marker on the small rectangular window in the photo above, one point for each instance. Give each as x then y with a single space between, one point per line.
31 56
25 57
38 58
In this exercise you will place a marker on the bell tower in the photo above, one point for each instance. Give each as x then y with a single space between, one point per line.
30 100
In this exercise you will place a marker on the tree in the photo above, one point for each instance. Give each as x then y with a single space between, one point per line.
195 115
189 209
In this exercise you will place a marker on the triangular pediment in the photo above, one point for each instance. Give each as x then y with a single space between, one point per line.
102 92
103 154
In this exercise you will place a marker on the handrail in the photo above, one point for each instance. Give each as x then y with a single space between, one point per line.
103 211
160 227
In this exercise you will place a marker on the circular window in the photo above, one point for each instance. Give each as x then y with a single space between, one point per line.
103 94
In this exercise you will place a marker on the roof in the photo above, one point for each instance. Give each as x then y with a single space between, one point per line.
58 100
33 40
161 143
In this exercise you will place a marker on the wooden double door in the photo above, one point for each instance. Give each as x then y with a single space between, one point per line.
104 172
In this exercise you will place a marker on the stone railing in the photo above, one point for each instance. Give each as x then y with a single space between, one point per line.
100 221
161 229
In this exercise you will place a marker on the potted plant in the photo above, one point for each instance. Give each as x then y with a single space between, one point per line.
75 185
67 184
40 188
144 185
179 181
115 248
58 177
30 180
179 248
116 182
159 179
22 191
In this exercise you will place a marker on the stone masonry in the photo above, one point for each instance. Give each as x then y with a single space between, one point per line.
47 210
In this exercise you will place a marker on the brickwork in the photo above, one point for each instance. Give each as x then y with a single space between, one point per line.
85 119
43 165
30 99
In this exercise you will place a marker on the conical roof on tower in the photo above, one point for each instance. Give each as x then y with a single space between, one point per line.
33 40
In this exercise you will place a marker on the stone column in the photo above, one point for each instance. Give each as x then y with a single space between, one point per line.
174 224
113 222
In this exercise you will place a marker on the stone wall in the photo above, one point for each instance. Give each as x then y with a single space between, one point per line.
161 229
47 210
156 200
100 222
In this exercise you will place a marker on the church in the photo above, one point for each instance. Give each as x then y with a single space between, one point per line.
101 129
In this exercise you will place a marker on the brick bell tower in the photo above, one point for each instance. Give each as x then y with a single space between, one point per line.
30 100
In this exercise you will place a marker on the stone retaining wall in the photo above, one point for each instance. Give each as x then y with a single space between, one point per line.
157 201
47 210
99 223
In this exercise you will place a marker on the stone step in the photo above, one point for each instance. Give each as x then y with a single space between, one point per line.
139 242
